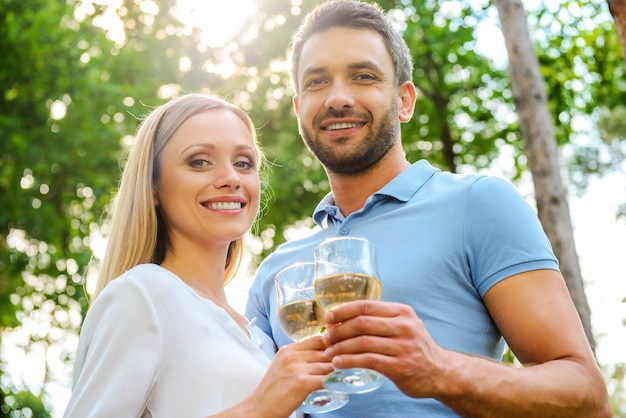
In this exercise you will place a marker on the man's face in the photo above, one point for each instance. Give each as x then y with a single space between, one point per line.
347 105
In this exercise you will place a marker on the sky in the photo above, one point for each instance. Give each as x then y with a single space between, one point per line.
601 245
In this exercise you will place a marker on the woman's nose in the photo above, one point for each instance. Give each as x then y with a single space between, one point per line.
227 177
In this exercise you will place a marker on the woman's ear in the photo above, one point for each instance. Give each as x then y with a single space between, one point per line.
155 197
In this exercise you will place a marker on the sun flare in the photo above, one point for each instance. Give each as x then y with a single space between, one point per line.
218 20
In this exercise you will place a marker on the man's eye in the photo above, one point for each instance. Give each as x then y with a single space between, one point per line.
365 77
314 83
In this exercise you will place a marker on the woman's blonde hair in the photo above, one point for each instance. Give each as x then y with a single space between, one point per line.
137 233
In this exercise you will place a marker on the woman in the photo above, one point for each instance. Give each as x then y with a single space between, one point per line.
160 339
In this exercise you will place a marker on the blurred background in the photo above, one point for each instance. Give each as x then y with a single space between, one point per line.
77 76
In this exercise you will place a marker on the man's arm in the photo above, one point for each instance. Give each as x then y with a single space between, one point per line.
534 312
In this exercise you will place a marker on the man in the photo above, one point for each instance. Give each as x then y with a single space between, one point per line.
463 260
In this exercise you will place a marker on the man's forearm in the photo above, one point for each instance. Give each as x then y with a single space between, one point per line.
478 387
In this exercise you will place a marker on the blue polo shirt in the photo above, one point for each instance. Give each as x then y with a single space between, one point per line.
442 240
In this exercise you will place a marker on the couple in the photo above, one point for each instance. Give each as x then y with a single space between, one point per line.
463 261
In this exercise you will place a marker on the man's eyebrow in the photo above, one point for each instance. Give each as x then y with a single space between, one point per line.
368 65
360 65
314 70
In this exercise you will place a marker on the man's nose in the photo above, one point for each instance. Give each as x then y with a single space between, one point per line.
340 96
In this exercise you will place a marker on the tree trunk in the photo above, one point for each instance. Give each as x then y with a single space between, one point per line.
540 146
618 11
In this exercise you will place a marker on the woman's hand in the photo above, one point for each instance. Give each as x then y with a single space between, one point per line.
296 370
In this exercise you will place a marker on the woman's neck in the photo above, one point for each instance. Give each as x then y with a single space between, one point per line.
202 271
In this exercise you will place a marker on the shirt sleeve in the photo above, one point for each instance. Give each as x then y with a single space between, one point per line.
504 234
118 354
259 305
257 308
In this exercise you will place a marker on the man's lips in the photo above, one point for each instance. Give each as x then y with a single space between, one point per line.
342 125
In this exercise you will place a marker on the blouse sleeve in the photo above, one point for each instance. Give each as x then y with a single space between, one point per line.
118 354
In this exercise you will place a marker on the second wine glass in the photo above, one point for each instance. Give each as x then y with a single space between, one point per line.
346 271
300 316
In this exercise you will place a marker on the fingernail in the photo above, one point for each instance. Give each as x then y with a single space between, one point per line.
330 317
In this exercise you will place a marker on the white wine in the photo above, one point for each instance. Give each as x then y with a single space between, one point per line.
301 319
345 287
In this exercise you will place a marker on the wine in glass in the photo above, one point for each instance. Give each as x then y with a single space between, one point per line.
300 316
346 271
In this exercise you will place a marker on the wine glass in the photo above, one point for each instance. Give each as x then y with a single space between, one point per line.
300 316
346 271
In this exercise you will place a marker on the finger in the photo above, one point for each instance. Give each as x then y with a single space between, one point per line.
375 361
365 344
348 310
321 369
311 343
361 326
396 328
309 350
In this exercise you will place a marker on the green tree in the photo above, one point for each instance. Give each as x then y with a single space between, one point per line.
62 116
73 91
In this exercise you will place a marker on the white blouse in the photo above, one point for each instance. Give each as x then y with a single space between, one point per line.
150 346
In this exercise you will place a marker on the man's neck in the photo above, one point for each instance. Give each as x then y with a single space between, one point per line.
351 191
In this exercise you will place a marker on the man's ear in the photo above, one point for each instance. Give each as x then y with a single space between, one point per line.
407 94
296 105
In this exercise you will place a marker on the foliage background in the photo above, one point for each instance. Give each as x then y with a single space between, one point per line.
77 76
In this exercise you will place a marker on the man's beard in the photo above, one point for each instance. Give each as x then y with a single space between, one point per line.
358 158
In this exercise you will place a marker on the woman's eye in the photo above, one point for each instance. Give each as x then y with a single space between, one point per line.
199 163
245 164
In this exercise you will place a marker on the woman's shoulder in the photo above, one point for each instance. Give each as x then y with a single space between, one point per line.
148 273
150 279
140 292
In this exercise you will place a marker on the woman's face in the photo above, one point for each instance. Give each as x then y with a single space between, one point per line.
208 188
